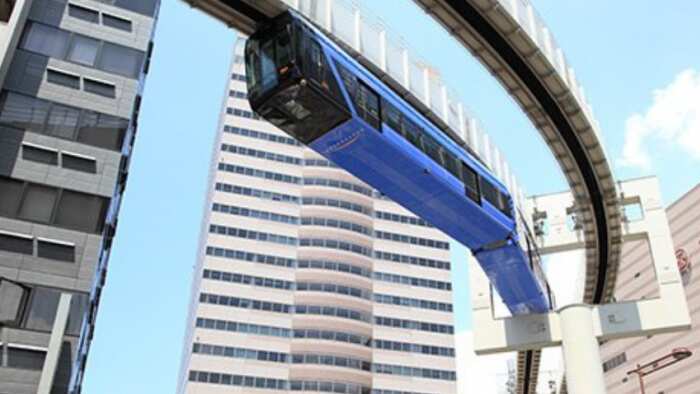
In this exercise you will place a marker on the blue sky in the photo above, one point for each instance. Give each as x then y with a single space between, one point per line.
629 55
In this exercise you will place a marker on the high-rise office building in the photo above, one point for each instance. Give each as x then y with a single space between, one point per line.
637 280
71 72
307 279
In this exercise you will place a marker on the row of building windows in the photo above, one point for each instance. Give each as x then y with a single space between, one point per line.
242 113
62 121
261 135
413 325
250 257
238 352
319 334
285 284
260 154
278 384
311 181
248 279
407 239
94 16
413 260
335 244
237 94
320 163
334 288
329 202
257 193
334 266
254 172
334 223
250 234
332 360
394 217
238 380
413 302
414 348
238 77
246 328
428 373
412 281
255 213
246 303
83 50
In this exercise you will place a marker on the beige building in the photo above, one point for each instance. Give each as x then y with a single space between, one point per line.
636 280
308 280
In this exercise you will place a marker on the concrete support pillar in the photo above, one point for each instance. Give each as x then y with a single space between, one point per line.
53 353
584 372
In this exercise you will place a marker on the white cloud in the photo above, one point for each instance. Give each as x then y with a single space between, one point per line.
673 118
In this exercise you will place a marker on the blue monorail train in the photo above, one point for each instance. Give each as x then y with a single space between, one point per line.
305 84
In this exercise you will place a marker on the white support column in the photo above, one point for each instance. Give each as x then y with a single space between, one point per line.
55 343
584 372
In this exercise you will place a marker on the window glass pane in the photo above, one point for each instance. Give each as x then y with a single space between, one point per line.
55 251
11 243
42 310
81 212
23 112
62 121
117 23
63 79
83 13
432 148
46 40
101 88
10 195
38 203
471 184
39 155
145 7
120 60
25 359
78 307
102 130
78 163
10 301
84 50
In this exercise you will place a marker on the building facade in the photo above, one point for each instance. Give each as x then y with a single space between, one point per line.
72 73
307 279
637 280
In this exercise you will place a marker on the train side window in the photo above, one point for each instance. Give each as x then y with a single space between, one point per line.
367 103
452 164
490 193
471 183
433 149
412 133
505 205
391 116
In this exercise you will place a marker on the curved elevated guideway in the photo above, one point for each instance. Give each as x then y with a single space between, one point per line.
509 38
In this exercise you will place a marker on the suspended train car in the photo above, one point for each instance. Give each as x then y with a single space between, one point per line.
305 84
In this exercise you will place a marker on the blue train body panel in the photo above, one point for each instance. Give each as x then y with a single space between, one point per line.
386 160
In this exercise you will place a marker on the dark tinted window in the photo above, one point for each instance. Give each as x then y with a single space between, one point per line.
16 244
46 40
82 212
490 193
83 50
10 196
62 121
101 130
121 60
25 359
145 7
34 153
115 22
42 309
11 301
83 13
101 88
432 149
78 163
38 203
55 251
61 78
471 183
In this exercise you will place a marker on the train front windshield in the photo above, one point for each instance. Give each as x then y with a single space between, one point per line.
267 58
290 82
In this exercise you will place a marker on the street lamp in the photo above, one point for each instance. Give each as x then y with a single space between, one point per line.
676 355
